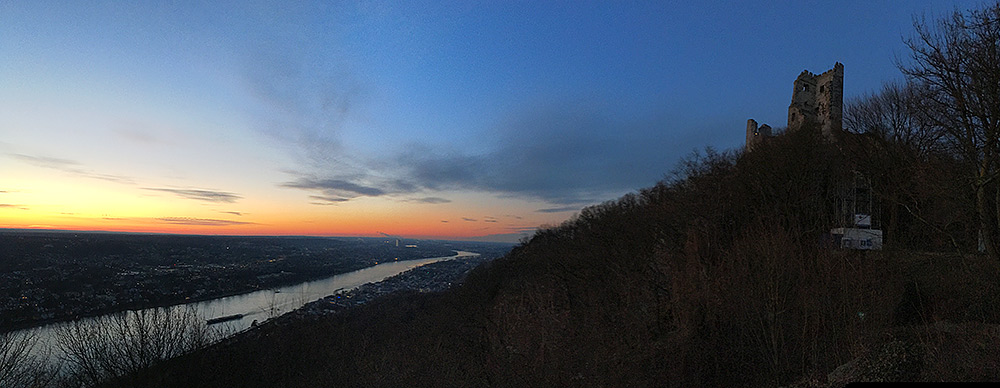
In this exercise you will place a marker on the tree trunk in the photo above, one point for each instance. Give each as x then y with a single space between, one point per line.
986 223
995 226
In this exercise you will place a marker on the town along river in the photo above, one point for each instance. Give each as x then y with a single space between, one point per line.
239 312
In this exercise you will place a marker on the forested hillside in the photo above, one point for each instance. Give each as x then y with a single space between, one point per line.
724 273
717 276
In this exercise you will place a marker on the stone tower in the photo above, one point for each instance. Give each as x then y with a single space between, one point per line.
755 134
818 100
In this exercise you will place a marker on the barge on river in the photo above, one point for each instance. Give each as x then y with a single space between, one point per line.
223 319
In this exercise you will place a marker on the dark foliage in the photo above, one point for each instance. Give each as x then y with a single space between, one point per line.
721 275
717 276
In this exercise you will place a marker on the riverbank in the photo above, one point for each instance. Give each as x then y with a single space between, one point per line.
434 277
241 312
48 277
428 278
188 300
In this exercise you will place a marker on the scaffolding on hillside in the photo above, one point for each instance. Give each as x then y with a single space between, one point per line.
858 215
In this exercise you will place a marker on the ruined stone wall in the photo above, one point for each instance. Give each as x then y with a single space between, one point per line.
755 134
818 100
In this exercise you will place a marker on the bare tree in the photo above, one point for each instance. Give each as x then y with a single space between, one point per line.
114 348
956 63
893 116
21 365
903 155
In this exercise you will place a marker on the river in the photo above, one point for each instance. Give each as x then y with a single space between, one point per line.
261 305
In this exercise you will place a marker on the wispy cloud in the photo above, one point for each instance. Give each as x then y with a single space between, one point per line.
559 209
467 219
11 206
70 167
522 229
47 162
233 213
335 187
336 190
328 200
302 103
563 154
431 200
200 221
200 194
142 133
111 178
567 153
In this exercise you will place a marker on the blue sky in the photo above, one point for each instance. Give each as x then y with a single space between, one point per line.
326 113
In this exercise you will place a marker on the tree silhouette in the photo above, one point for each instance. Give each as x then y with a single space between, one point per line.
955 62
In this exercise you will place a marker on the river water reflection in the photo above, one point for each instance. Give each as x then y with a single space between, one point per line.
261 305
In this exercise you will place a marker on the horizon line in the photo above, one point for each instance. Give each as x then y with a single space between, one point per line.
94 231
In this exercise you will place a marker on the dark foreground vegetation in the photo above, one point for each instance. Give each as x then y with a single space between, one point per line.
718 276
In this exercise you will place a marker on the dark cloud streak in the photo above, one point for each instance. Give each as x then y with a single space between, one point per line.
559 209
562 155
47 162
430 200
200 221
328 200
568 154
335 187
335 190
200 194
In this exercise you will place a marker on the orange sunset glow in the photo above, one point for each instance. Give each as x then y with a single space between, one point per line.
431 120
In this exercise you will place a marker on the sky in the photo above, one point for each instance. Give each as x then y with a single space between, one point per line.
424 119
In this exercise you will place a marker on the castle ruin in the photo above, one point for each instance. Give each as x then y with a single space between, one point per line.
756 134
817 102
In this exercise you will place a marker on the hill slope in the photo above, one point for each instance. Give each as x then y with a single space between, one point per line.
716 277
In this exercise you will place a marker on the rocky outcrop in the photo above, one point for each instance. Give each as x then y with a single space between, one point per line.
897 360
940 351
